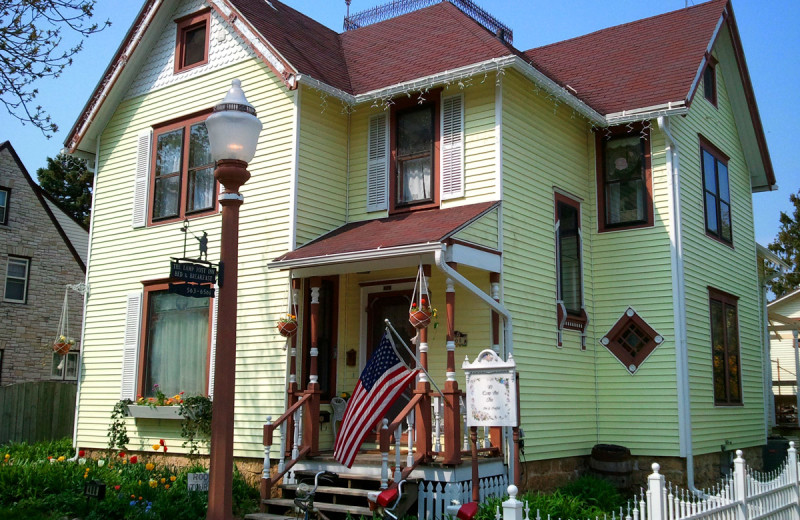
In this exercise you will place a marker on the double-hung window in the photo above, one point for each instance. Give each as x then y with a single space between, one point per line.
17 277
416 154
716 191
65 367
568 254
624 181
723 310
182 181
5 195
175 344
191 43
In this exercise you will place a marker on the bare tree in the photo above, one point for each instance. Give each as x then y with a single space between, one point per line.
31 48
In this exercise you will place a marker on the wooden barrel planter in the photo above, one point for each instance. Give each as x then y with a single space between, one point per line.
612 463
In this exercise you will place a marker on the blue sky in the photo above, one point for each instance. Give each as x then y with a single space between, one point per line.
769 31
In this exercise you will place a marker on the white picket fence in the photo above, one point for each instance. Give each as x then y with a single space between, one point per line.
433 497
747 495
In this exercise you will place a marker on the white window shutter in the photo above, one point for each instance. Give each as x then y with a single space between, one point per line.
213 357
452 161
130 348
378 164
142 179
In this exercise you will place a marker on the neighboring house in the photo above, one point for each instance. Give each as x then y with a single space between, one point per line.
598 188
784 356
42 250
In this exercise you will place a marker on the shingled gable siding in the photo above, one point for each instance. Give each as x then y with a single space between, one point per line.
322 166
733 270
543 148
144 255
480 164
633 268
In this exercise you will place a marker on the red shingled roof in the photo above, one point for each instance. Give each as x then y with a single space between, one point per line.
418 227
639 64
415 45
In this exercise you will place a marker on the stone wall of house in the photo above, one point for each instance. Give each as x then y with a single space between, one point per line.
547 475
27 330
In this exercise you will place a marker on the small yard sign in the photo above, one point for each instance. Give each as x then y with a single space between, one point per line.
491 390
198 482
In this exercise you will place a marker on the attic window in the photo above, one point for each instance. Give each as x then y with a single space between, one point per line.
191 43
710 81
631 340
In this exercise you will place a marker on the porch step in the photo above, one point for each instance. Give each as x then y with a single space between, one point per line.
266 516
288 503
353 492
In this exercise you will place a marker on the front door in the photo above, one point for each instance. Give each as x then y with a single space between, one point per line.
394 307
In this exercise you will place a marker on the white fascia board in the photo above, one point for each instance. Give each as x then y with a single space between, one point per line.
357 256
784 298
703 62
465 255
772 257
673 108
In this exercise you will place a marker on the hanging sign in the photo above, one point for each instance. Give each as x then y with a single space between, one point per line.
192 272
491 390
191 290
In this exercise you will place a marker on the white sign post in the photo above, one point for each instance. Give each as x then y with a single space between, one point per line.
491 390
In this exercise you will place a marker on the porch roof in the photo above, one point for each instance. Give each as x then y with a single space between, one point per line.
407 233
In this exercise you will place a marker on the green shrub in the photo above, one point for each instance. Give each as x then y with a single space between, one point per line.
596 492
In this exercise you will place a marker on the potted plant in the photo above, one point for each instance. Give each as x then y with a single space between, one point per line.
63 344
287 325
420 315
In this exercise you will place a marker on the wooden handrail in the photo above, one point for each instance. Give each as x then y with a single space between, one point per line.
269 428
408 469
404 412
290 464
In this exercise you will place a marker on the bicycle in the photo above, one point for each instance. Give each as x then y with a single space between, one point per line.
304 496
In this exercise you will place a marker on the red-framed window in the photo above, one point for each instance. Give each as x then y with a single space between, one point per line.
414 165
191 42
725 351
716 192
182 183
175 344
624 179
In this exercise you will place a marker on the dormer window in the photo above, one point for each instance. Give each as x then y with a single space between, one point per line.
191 44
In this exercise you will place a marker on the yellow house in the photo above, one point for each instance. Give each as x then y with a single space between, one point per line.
585 219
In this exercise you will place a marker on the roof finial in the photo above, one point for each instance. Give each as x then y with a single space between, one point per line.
348 7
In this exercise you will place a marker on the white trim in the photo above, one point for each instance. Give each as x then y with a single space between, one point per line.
465 255
79 133
272 55
703 62
451 151
672 108
366 291
498 134
295 168
356 256
783 298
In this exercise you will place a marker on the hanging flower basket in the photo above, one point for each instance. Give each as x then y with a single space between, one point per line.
287 327
419 317
63 345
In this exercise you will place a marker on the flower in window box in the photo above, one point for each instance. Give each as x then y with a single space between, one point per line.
63 344
287 325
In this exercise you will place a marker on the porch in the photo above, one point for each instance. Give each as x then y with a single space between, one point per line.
344 285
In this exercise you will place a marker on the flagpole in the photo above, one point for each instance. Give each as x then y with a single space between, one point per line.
414 355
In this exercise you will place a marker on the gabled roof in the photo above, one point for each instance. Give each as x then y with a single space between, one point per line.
645 63
629 72
73 233
371 237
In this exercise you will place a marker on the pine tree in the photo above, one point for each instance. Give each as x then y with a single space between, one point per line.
787 246
68 180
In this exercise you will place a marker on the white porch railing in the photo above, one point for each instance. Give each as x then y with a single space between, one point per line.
747 495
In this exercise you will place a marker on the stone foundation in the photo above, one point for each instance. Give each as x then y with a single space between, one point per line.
547 475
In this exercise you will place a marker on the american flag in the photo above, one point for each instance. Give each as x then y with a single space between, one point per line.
380 385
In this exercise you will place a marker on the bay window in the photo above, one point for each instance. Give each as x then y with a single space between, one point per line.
624 182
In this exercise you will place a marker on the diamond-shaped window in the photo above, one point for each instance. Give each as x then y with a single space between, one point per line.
631 340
